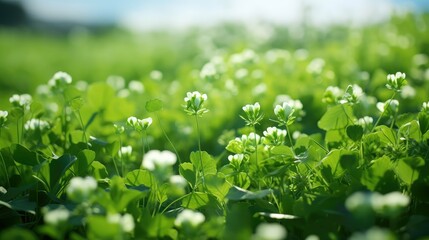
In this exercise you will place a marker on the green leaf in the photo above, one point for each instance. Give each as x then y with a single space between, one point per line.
118 109
84 160
140 177
120 195
98 170
100 228
411 130
154 105
336 117
157 226
208 163
99 94
76 103
423 122
386 135
405 172
337 162
187 171
195 200
238 223
414 162
58 168
374 174
217 186
282 150
17 233
24 156
355 132
236 193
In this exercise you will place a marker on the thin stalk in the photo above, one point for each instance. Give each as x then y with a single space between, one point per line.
5 168
290 139
201 156
382 113
173 202
120 155
166 136
84 139
17 131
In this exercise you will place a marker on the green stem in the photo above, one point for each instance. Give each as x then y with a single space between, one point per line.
382 113
166 136
5 168
173 202
290 139
84 138
200 153
17 131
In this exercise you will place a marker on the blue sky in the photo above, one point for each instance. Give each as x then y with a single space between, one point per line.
142 15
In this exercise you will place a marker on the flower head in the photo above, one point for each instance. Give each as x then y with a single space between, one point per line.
390 106
126 221
3 117
59 80
56 216
274 136
253 114
36 125
139 124
332 95
80 189
158 159
425 107
195 103
352 95
396 81
288 111
22 101
190 218
125 151
270 231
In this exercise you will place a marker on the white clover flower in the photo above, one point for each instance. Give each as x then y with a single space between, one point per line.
315 66
178 181
80 189
288 111
390 106
274 136
391 204
132 121
241 73
117 82
332 94
195 103
125 151
36 125
119 129
126 221
81 85
359 201
259 89
425 107
158 159
136 86
23 100
396 81
139 124
190 218
253 115
145 122
408 92
365 122
3 117
124 93
352 95
208 71
156 75
59 80
236 159
56 216
270 231
373 233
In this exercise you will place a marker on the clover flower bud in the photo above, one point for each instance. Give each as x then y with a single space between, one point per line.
3 117
132 121
235 146
56 216
190 218
365 122
270 231
145 123
390 106
126 221
253 115
425 107
139 124
119 129
23 100
59 80
125 151
332 94
36 125
80 189
396 81
352 95
285 113
156 75
158 159
274 136
136 86
195 103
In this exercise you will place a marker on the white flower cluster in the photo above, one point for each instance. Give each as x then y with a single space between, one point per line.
365 122
352 95
253 114
269 231
36 125
396 81
246 57
156 75
189 218
288 111
80 189
23 100
125 151
332 94
139 124
178 181
274 136
390 204
59 80
126 221
195 103
425 107
390 106
56 216
236 159
3 117
247 143
158 159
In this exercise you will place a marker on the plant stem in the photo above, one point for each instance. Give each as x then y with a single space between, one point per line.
290 138
83 129
168 139
200 153
173 202
382 113
5 168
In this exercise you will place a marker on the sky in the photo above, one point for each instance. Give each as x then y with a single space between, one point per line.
139 15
